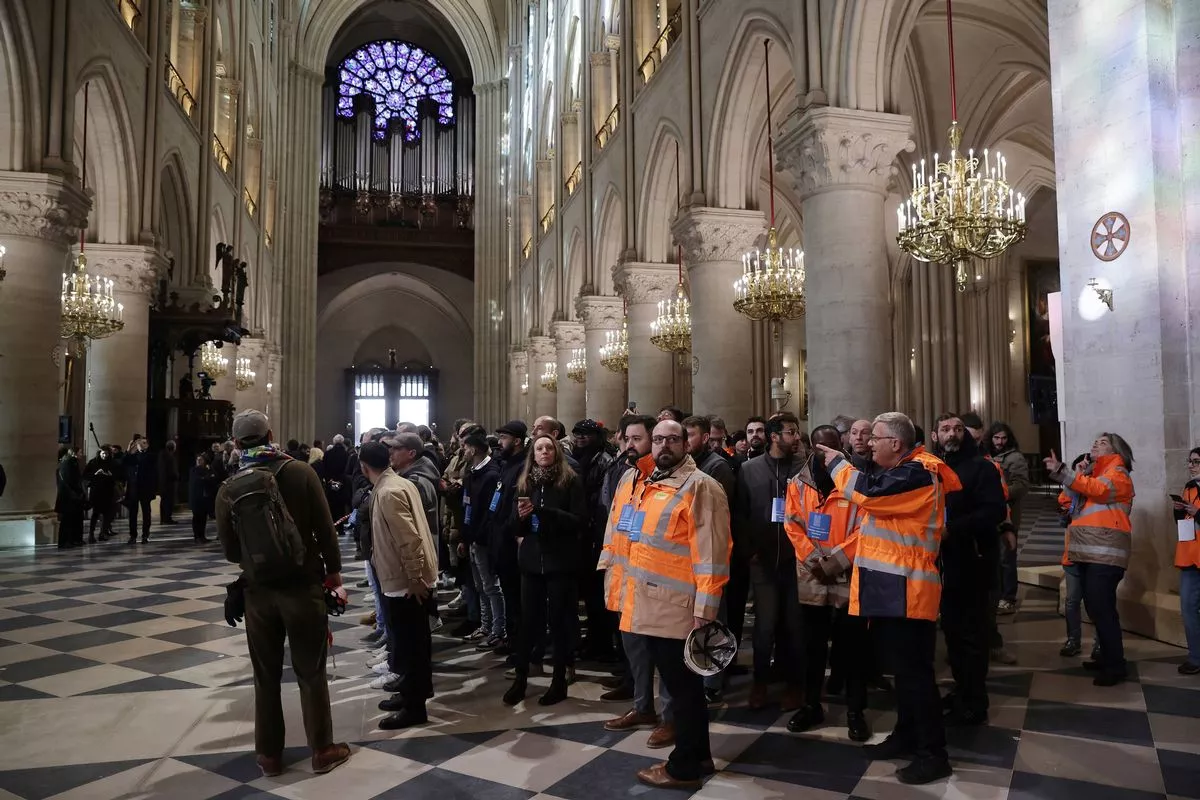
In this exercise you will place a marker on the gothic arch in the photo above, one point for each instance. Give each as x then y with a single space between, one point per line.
659 194
18 86
112 175
573 271
549 283
610 238
175 215
740 108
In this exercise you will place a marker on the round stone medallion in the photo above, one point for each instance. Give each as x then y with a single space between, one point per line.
1110 236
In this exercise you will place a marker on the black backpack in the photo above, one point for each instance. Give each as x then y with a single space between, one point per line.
273 550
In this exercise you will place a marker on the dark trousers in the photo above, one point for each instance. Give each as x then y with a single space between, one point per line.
299 614
776 606
166 503
104 515
199 524
70 528
909 645
552 595
1100 598
510 587
966 594
688 708
737 592
601 630
142 504
411 652
820 624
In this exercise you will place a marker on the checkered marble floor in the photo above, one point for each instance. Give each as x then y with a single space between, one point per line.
120 679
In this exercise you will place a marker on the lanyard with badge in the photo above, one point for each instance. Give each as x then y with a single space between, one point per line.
495 503
466 499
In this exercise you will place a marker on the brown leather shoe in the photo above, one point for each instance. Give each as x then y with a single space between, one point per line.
330 758
662 736
793 698
271 766
758 697
620 694
658 777
631 720
367 619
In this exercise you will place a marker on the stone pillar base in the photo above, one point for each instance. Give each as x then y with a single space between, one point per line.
28 531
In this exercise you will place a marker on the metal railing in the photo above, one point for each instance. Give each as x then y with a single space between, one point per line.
548 219
180 91
221 154
251 206
527 248
609 128
574 179
129 12
662 45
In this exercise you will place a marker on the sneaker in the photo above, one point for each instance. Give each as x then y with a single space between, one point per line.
381 668
1070 648
379 651
491 643
480 633
1189 668
435 624
383 680
457 603
376 660
1006 607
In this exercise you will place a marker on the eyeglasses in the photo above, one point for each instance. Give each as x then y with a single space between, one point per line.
1194 462
666 439
873 439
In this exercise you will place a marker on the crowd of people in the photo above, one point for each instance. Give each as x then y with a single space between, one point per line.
855 543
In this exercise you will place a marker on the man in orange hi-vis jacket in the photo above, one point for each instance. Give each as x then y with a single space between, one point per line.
667 554
895 583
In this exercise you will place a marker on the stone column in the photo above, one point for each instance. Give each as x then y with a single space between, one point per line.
40 215
117 376
714 240
274 369
601 74
651 384
1126 369
571 395
605 395
542 401
518 368
254 396
841 161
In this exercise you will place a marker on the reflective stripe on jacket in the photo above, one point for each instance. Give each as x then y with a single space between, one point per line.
839 546
1100 532
1187 554
904 518
673 563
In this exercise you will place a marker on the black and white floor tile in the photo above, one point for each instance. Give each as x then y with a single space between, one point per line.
119 678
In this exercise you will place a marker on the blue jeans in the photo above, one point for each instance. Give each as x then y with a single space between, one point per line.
641 667
487 583
1189 605
1074 599
380 609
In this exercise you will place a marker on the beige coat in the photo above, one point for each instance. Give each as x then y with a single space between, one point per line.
403 545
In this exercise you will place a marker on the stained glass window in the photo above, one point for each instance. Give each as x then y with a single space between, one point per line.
397 75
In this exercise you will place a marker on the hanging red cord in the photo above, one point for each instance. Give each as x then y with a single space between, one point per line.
950 37
770 134
86 90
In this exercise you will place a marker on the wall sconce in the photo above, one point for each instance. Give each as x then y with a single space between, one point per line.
779 392
269 387
1105 295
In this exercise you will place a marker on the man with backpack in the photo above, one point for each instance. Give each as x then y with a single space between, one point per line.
273 520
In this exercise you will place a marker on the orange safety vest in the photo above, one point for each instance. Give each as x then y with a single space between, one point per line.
1101 533
1187 554
667 549
895 567
839 544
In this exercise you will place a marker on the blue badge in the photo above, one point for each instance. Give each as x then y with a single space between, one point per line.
353 517
466 497
635 528
467 514
777 509
626 520
535 523
818 526
495 499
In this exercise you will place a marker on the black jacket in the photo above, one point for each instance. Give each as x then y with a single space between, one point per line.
502 540
202 490
168 469
478 487
100 479
142 474
593 466
70 498
716 465
3 481
333 464
974 514
759 482
561 515
424 473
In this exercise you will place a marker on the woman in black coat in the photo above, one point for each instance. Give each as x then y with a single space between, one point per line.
550 515
70 502
202 493
100 478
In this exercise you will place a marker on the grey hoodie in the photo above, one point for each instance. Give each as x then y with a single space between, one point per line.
426 476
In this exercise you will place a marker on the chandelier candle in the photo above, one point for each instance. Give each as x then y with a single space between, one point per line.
614 353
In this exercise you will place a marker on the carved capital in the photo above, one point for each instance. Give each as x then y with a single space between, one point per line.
612 42
519 361
568 335
569 118
600 313
645 283
601 59
253 349
42 207
134 270
717 234
233 86
541 350
827 147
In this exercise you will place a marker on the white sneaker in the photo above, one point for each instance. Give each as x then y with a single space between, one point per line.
383 680
374 662
435 624
480 633
381 668
457 603
378 653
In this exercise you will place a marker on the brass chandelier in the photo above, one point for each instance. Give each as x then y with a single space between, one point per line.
243 376
962 208
671 332
577 366
772 282
212 362
88 309
614 353
550 377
